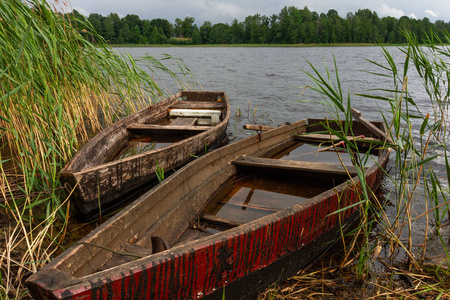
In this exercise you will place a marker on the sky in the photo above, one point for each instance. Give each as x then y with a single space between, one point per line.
224 11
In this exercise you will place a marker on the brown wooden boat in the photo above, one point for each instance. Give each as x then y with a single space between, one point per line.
236 220
124 156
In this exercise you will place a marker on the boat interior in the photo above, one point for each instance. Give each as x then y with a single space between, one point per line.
183 119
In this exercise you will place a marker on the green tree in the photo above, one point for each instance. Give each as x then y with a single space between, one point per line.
125 34
135 35
188 27
164 25
236 32
96 21
118 24
196 38
108 26
132 21
274 30
178 28
219 33
324 29
205 31
256 29
147 30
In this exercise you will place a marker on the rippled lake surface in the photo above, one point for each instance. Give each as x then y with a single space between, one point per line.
265 85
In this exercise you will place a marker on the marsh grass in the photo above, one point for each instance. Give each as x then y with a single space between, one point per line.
57 90
385 257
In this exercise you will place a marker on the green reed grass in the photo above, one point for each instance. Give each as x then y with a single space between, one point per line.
419 135
57 90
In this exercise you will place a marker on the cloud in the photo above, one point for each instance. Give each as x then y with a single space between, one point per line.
385 10
431 13
413 16
221 10
82 11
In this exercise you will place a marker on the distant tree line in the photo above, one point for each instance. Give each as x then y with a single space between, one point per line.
290 26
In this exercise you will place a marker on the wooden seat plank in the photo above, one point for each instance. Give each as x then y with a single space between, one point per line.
155 129
198 105
300 166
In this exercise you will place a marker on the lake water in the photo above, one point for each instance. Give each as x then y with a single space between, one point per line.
265 85
267 82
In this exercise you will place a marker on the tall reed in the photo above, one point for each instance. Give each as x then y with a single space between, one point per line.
419 172
57 89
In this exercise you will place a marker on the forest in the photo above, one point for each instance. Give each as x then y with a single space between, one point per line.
291 26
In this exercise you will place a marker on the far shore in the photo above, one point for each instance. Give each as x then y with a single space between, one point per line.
255 45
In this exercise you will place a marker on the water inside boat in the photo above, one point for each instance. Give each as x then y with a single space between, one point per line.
141 143
321 153
248 197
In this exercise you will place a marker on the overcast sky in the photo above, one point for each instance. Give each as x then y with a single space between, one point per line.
225 11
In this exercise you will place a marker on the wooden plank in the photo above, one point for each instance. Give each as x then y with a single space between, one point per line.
183 122
222 222
357 115
257 127
155 129
200 113
319 137
300 166
199 105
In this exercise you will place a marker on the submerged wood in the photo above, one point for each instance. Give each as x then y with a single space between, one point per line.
239 257
98 178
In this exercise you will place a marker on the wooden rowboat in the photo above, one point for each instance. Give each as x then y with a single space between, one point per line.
233 221
126 155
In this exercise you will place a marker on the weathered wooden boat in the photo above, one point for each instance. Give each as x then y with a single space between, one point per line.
231 222
124 156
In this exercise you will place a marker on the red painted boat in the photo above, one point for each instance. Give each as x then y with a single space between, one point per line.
231 222
126 155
